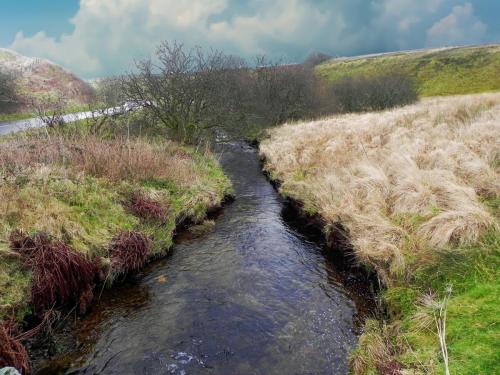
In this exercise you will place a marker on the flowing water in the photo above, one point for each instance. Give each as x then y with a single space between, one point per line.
252 296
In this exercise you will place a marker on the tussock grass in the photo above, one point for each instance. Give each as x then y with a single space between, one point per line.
416 189
129 251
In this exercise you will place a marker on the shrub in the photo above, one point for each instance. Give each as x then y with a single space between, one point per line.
359 94
60 274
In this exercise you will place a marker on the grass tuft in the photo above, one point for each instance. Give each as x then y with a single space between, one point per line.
147 208
129 252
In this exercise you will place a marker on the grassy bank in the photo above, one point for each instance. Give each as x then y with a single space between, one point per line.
457 71
77 203
417 189
24 114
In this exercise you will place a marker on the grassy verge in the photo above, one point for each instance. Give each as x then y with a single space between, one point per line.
24 115
111 202
417 189
457 71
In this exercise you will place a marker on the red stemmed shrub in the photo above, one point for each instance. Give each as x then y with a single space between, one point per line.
146 208
60 274
129 251
12 352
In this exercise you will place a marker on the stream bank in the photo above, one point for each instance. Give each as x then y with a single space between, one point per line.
251 296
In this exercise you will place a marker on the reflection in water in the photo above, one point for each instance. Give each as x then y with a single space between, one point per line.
251 297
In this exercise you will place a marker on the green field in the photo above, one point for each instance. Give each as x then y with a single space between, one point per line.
453 71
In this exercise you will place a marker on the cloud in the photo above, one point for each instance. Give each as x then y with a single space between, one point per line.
461 26
108 34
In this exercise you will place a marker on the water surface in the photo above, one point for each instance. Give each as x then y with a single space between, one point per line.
252 296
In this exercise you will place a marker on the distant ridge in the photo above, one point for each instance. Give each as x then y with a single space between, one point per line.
453 70
37 76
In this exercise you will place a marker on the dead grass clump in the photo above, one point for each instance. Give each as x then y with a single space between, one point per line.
129 252
146 208
60 274
12 352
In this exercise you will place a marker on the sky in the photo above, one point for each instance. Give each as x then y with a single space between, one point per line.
96 38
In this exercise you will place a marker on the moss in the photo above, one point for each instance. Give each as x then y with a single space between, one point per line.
447 72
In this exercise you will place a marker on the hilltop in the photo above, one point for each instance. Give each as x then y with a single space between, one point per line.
36 76
441 71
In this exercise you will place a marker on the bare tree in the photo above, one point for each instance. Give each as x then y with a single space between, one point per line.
357 94
192 92
196 93
281 92
315 59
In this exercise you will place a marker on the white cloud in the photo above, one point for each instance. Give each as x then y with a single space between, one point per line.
108 34
461 26
407 13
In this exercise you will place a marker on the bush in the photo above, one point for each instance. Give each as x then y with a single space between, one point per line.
147 209
360 94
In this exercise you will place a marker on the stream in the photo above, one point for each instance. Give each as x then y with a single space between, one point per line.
252 296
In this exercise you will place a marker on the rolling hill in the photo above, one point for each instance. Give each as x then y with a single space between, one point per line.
443 71
37 77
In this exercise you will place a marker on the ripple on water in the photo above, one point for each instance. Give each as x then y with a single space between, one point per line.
252 296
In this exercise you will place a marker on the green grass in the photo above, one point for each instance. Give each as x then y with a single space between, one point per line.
472 321
24 115
455 71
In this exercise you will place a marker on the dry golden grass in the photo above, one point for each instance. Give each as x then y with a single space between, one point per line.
404 182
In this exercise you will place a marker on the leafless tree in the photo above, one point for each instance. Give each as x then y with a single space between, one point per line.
192 92
315 59
195 92
358 94
281 92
